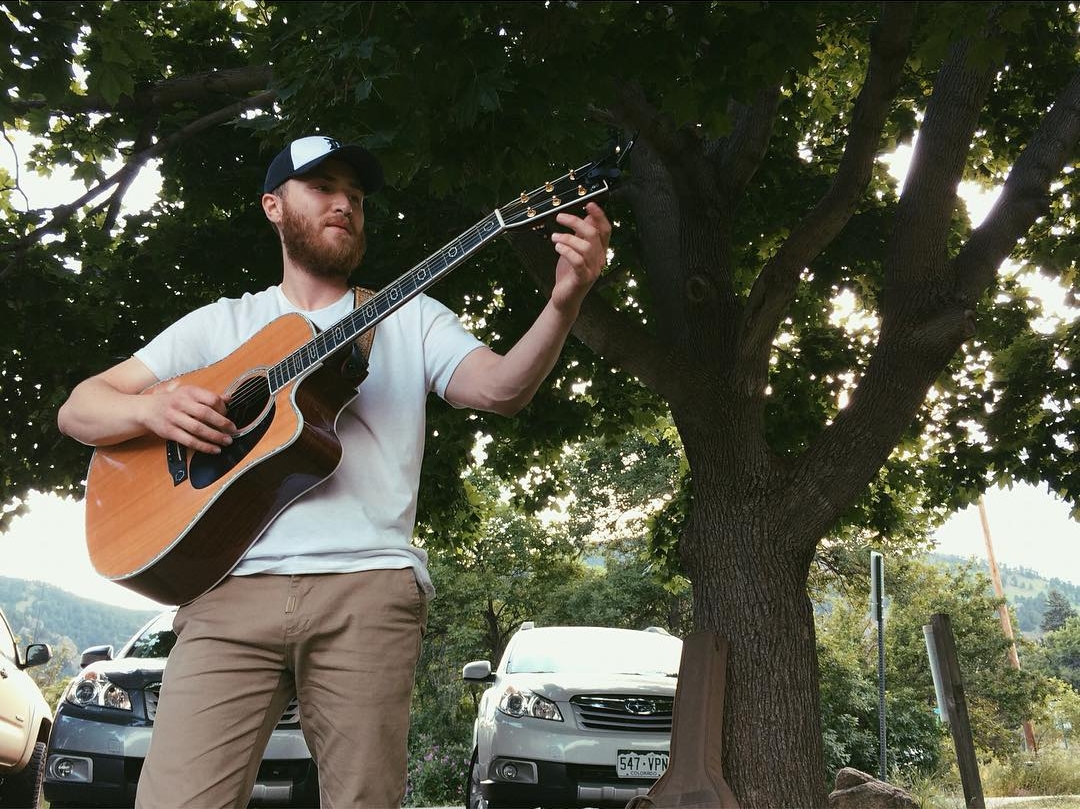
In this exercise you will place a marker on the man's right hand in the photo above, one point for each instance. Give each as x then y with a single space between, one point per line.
190 415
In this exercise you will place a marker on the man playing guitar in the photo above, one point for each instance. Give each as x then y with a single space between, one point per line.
330 601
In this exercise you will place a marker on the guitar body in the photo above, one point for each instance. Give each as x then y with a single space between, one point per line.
172 527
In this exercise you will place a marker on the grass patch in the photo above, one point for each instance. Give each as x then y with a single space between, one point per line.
1051 772
1050 780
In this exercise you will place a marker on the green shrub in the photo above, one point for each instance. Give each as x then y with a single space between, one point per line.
437 774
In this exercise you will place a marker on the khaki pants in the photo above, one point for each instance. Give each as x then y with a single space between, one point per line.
346 644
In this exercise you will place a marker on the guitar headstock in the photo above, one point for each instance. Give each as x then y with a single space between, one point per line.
569 192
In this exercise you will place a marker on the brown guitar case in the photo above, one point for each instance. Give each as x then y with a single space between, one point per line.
694 778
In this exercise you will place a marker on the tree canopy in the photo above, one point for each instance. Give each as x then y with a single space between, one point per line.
840 357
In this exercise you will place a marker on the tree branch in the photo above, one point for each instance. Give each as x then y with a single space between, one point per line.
1024 197
917 259
741 152
677 149
775 287
15 163
195 87
62 213
143 141
921 326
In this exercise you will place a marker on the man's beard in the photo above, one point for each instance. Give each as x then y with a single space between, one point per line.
303 243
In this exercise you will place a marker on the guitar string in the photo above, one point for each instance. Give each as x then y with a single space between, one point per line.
252 391
325 343
357 321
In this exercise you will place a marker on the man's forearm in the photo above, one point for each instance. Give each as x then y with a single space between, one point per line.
506 383
99 415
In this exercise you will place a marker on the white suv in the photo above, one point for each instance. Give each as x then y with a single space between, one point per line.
573 716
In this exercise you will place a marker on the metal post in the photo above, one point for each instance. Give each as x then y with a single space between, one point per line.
877 597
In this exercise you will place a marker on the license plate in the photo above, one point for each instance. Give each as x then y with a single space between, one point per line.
634 764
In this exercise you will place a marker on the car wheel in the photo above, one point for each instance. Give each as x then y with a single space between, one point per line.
474 798
24 790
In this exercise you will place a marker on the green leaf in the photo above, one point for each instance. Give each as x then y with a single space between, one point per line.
110 80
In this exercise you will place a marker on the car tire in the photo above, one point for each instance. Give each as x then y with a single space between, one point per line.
474 798
24 790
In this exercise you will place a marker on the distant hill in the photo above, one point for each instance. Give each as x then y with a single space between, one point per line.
1025 590
43 613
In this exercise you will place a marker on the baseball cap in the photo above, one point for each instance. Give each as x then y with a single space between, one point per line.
305 154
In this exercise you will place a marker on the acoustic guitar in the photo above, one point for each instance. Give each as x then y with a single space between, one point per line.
171 523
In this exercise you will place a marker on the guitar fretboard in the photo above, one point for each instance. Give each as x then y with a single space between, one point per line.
385 302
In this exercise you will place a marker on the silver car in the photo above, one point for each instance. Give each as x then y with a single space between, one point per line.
573 716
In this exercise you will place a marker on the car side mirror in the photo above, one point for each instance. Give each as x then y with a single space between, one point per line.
93 654
36 654
478 671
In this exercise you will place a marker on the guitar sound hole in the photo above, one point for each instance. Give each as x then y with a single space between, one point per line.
251 409
248 401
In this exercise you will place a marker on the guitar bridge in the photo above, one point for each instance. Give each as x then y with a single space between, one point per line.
176 457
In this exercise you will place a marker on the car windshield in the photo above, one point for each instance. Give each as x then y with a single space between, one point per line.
594 650
156 640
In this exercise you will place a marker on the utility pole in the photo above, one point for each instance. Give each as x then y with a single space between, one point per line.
1003 612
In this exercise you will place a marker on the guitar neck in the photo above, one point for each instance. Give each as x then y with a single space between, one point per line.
570 191
385 302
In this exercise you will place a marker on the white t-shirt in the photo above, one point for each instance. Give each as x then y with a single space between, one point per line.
362 516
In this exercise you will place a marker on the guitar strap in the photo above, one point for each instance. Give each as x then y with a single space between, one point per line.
356 363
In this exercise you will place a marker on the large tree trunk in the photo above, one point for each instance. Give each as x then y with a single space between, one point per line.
750 588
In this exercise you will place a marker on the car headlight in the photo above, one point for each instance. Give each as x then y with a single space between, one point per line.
518 702
94 688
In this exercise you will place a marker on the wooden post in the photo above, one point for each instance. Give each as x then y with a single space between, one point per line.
952 687
1003 613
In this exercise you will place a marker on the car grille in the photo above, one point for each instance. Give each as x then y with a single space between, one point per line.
291 716
644 714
